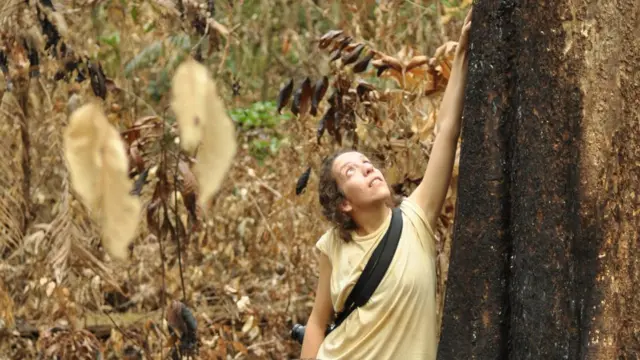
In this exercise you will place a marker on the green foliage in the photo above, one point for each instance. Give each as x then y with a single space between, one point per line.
261 114
259 121
180 44
261 148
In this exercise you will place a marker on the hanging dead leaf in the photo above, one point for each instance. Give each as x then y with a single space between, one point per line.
388 61
321 128
328 120
318 93
363 64
295 104
302 98
446 51
431 83
302 181
97 79
340 45
416 62
284 95
335 55
152 209
180 318
140 182
135 156
189 189
444 70
98 168
189 182
352 56
363 88
381 69
328 37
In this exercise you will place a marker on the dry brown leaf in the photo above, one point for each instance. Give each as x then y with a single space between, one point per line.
196 97
6 308
98 166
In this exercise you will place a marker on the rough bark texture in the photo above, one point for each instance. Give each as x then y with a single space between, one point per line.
544 260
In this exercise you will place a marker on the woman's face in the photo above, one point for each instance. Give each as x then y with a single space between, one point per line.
360 181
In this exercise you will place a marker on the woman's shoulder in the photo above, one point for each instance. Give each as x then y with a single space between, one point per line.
327 242
416 216
415 213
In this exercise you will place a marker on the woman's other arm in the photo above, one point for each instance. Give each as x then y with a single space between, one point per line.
320 314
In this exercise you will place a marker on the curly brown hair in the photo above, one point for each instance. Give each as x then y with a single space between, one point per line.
331 197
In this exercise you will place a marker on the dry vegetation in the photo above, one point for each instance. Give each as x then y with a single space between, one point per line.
240 256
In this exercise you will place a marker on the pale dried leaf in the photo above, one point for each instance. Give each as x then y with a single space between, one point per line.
121 209
82 152
191 90
98 165
202 116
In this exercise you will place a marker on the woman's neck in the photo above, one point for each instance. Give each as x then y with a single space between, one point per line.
370 219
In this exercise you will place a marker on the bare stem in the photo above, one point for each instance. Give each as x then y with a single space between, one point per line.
175 233
26 160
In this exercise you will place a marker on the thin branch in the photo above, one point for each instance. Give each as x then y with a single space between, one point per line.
141 100
227 45
26 158
264 218
260 344
263 183
175 232
162 260
206 33
125 334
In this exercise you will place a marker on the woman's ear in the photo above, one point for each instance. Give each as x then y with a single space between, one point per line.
345 206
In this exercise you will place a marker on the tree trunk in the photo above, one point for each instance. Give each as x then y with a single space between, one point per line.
545 257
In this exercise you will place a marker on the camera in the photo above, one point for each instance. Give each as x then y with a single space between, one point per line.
297 332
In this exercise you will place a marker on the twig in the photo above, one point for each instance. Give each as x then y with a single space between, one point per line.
164 283
175 232
319 9
125 334
417 5
197 45
227 44
266 222
26 158
141 100
44 90
260 344
263 183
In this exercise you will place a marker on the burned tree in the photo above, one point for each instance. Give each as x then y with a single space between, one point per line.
544 256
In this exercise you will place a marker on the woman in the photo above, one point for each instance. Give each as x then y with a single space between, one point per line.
399 321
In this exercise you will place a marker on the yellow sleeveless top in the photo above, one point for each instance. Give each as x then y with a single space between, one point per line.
399 320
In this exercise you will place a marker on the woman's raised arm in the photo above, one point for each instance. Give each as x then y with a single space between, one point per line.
432 191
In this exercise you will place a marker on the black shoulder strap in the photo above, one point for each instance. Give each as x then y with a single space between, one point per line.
375 269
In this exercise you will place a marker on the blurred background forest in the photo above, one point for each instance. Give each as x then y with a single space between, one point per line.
246 266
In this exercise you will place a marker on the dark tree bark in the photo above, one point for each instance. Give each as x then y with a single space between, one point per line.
544 260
